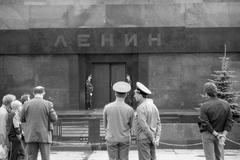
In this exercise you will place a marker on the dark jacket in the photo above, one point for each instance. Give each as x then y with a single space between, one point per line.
38 114
215 114
13 132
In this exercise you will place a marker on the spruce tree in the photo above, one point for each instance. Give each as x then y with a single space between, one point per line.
223 79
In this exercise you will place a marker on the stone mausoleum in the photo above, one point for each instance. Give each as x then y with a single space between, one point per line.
172 46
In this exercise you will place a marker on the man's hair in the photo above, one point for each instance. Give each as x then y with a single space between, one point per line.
142 93
121 95
211 89
38 90
24 98
16 104
7 99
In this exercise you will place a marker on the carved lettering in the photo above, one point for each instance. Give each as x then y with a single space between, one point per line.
82 40
60 41
105 40
157 39
130 39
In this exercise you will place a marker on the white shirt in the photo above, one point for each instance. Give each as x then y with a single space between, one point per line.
16 120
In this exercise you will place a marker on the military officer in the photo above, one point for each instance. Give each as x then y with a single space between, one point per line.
148 125
118 117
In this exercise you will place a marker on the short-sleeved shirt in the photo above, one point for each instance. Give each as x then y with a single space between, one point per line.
118 117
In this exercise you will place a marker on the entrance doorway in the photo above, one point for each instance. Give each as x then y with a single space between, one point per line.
104 76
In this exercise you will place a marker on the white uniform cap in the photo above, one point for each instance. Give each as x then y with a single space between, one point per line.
143 88
121 87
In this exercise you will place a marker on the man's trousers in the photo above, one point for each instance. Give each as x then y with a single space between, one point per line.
16 150
146 150
118 150
212 149
33 148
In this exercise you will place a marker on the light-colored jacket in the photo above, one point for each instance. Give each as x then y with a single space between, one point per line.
118 117
3 125
148 121
38 114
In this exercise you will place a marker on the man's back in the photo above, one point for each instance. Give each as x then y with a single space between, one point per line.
38 113
218 113
119 117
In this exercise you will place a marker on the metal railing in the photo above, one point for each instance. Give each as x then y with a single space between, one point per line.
91 130
83 129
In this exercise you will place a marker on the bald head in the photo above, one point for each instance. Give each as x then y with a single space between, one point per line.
38 90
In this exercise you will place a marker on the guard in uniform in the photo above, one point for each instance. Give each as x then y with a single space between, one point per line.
118 117
148 127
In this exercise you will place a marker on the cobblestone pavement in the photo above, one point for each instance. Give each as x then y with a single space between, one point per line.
162 154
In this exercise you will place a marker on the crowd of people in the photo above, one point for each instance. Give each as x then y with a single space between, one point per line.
26 126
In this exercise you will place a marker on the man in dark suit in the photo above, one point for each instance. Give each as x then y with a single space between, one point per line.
38 114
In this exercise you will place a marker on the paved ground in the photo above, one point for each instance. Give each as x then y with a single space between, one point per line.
162 154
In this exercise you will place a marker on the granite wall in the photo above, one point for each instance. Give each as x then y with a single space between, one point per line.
177 80
58 74
187 135
25 14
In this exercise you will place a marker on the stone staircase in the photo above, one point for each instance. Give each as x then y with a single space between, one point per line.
77 130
